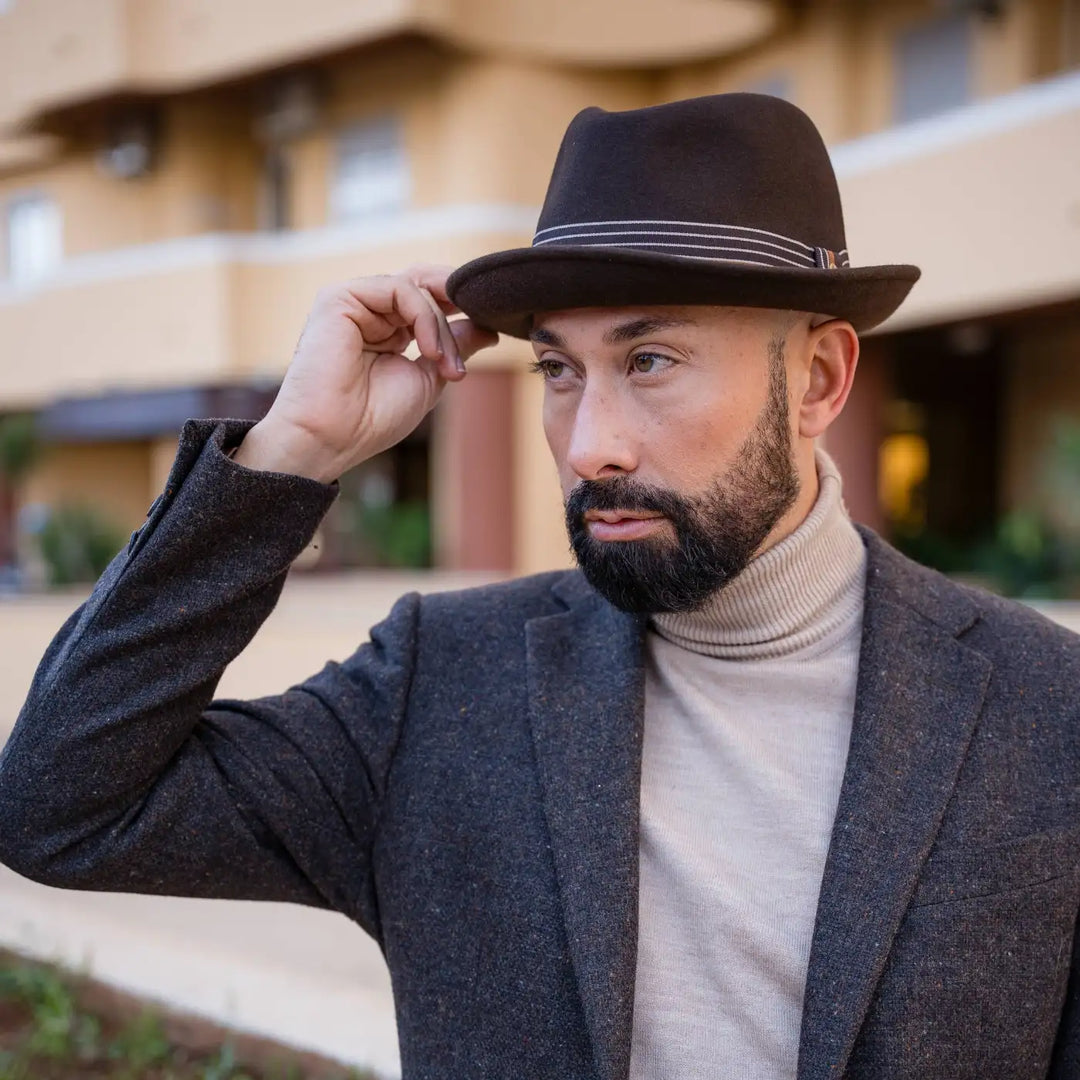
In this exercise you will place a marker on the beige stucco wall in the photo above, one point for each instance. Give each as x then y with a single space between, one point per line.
814 56
1005 54
540 540
159 316
57 50
113 478
64 52
501 123
203 181
476 130
165 328
269 301
142 304
177 43
162 453
839 59
616 33
57 53
992 220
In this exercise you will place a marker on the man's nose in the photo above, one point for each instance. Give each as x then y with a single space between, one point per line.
601 442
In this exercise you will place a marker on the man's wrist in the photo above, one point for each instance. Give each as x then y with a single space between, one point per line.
275 448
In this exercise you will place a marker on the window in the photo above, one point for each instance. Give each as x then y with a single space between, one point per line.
34 244
933 68
372 171
275 194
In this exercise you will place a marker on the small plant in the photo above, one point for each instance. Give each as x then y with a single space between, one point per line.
1061 476
59 1029
141 1043
1025 557
20 447
77 543
400 533
46 1033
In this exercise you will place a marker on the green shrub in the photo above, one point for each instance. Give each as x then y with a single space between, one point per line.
1027 558
49 1033
400 533
60 1030
77 543
141 1043
20 447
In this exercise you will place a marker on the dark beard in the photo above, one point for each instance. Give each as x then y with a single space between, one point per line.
716 534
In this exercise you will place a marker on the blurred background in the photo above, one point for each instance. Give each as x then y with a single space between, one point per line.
179 177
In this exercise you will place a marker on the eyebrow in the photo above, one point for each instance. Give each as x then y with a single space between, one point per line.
547 337
617 335
637 328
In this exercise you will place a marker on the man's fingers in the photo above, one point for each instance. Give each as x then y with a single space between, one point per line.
397 342
446 336
383 303
433 278
385 308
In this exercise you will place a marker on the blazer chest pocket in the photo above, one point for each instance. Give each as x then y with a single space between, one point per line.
953 873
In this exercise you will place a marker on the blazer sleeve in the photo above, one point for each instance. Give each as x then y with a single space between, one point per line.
122 774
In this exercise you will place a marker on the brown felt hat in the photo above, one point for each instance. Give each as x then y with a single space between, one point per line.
726 199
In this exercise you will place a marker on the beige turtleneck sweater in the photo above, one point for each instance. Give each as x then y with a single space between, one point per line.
748 710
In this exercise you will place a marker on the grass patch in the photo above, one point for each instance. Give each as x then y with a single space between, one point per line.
59 1025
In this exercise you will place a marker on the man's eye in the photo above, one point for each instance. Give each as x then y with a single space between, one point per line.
550 369
649 363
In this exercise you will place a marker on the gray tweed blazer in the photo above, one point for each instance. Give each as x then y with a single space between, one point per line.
465 787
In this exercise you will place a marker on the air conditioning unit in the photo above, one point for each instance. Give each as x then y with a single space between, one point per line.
290 107
130 148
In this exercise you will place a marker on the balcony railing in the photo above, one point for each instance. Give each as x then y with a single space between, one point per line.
983 198
211 308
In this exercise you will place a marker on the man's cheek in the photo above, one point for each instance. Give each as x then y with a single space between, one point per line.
557 436
558 445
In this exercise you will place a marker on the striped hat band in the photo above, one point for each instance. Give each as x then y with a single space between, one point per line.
695 240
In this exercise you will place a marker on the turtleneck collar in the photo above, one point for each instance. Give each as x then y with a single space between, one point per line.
798 593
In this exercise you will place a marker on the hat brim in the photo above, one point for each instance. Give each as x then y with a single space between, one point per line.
503 291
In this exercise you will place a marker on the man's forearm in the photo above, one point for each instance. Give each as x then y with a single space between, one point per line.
122 686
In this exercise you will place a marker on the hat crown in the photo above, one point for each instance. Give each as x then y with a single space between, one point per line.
724 200
752 163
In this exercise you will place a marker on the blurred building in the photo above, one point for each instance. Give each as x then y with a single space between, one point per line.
179 177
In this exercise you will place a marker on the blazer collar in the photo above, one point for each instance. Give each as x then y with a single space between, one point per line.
586 705
918 695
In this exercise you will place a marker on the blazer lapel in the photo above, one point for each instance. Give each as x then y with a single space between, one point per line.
586 703
918 696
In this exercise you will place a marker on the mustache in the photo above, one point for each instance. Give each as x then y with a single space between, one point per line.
623 493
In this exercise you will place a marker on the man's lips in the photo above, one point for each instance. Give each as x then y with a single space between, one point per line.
622 524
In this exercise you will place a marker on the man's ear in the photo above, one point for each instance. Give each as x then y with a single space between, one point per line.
834 349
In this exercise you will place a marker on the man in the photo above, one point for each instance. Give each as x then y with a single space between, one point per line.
751 796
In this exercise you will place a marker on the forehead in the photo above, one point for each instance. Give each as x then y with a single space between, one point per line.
616 325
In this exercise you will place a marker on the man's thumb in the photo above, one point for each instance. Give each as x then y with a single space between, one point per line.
471 338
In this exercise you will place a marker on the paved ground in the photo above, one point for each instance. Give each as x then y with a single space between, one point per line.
301 976
305 977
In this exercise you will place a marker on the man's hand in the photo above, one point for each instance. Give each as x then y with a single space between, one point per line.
350 392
